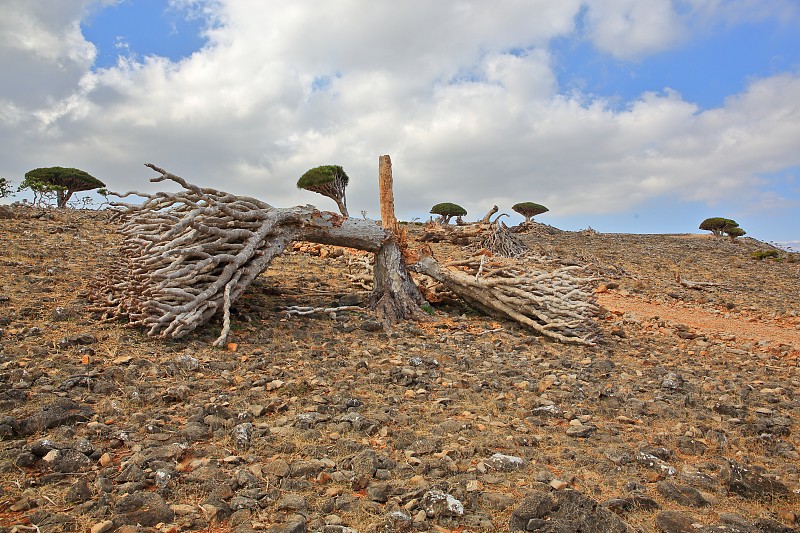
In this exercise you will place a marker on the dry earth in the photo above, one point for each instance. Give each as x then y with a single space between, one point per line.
684 418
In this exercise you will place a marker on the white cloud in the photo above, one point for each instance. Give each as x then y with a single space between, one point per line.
463 95
630 28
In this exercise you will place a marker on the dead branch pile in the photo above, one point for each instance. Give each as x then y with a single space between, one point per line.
188 254
501 241
557 304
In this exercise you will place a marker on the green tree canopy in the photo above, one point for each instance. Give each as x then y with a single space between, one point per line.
735 232
718 225
327 180
448 210
63 182
529 210
5 187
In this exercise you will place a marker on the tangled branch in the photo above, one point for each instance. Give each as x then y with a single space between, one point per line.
188 254
556 304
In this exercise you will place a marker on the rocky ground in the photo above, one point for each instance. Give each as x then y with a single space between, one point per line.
684 418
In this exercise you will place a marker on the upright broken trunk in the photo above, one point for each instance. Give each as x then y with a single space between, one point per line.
386 193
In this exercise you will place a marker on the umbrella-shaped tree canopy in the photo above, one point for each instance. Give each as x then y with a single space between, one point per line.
63 181
529 210
327 180
448 210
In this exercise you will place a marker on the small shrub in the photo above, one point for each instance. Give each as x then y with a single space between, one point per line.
765 254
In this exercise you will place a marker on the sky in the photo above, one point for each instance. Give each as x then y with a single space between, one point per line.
635 116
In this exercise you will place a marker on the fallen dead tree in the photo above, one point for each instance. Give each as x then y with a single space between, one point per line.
187 255
556 304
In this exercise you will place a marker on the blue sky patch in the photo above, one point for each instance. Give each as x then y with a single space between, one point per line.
704 71
142 28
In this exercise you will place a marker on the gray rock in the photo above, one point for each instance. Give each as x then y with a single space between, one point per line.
496 500
364 465
548 411
438 503
581 431
673 382
675 522
69 460
79 492
167 453
296 524
564 511
194 432
215 509
26 459
291 502
682 494
749 484
651 461
59 412
142 508
241 502
379 492
505 463
242 435
736 523
371 325
769 525
306 468
277 467
398 522
131 472
187 362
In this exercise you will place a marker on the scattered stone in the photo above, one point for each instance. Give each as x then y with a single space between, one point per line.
505 463
750 484
581 431
291 502
242 434
676 522
438 503
364 466
651 461
144 508
398 522
566 510
79 492
59 412
682 494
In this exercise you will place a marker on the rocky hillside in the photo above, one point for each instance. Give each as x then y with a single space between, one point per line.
685 417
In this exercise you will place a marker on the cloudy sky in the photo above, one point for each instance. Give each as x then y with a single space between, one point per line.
620 115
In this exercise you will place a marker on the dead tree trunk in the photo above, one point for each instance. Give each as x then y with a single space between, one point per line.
190 254
488 217
386 192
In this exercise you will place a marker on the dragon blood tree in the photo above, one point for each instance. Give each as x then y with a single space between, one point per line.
327 180
64 182
448 210
529 210
718 225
